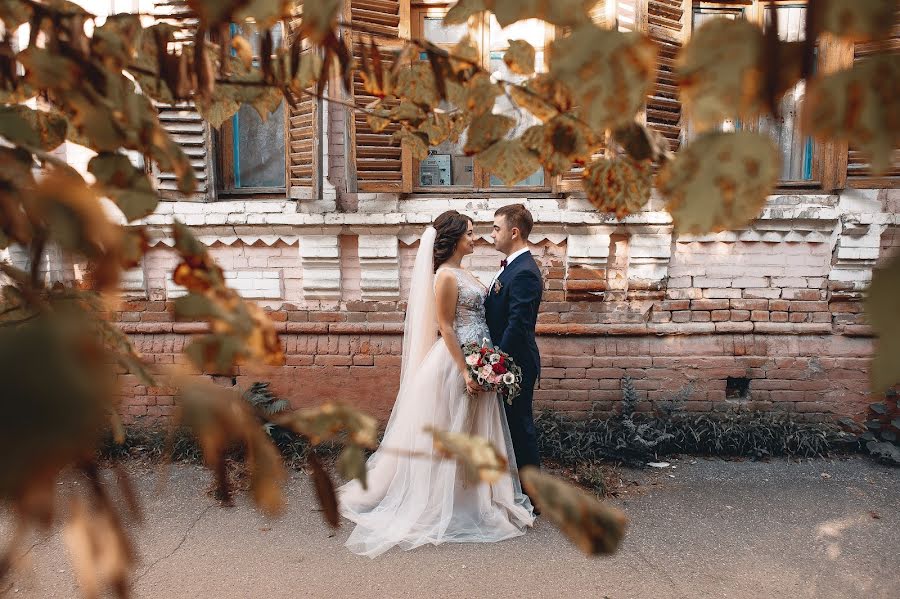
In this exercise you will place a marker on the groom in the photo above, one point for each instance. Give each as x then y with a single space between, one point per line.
511 308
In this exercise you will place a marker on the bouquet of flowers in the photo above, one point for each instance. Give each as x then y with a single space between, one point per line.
493 369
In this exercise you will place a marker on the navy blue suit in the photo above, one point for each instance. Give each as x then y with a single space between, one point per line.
511 308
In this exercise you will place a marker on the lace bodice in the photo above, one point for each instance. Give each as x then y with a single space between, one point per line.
470 323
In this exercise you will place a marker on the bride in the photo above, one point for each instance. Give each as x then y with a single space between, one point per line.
415 497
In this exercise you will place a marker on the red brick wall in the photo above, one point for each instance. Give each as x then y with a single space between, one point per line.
795 365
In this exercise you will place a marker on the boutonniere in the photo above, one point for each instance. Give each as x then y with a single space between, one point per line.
497 287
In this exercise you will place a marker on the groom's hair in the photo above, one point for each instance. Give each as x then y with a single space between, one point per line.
518 216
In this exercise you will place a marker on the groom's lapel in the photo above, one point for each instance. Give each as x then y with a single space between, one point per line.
508 272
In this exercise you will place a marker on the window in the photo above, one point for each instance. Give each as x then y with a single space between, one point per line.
447 165
796 149
250 151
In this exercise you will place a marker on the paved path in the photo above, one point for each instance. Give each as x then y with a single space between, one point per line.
717 529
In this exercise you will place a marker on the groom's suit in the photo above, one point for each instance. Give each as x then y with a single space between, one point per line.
511 308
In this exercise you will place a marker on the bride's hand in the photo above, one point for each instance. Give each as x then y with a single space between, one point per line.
472 388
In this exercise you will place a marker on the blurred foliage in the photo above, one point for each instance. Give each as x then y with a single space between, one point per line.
97 86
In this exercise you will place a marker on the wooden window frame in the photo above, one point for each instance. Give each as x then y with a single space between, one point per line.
479 29
829 159
223 158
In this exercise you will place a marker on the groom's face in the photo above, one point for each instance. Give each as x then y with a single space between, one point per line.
502 235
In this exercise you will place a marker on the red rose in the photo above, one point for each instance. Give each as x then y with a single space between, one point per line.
499 368
480 363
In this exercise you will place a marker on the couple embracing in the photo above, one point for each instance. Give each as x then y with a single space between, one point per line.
414 497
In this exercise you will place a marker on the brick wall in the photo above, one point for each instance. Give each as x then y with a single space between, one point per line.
775 308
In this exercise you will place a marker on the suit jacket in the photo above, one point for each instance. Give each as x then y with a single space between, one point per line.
511 309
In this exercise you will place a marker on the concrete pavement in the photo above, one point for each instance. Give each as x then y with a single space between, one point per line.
708 528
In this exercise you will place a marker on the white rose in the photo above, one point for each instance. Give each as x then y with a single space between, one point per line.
509 378
472 359
486 371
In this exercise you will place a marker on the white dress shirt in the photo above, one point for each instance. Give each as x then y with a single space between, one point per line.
509 260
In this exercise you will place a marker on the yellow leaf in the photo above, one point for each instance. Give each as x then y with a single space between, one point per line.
543 96
721 72
320 18
594 527
481 94
559 143
437 127
351 464
621 185
509 161
330 420
520 57
720 181
416 143
243 49
858 20
407 112
883 312
417 85
609 73
562 13
860 105
643 143
485 130
479 458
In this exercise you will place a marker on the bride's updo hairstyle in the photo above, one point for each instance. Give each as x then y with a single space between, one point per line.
450 227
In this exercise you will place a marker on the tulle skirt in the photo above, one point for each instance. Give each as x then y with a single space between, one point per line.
414 497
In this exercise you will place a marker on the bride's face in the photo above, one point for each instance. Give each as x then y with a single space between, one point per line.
466 243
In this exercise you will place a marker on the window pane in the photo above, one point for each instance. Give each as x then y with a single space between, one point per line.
259 148
446 163
796 149
701 16
532 31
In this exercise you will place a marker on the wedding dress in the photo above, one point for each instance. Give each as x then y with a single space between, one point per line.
415 497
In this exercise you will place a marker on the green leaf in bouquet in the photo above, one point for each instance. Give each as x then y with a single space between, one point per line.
596 528
480 460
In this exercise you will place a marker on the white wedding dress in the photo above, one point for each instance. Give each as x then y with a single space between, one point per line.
416 499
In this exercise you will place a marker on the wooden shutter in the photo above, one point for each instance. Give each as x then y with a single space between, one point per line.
667 23
379 164
183 123
858 173
304 135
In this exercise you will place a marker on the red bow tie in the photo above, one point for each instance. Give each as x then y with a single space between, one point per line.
503 263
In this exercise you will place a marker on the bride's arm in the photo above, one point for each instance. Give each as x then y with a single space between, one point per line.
446 295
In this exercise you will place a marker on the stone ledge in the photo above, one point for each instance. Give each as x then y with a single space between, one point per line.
543 330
